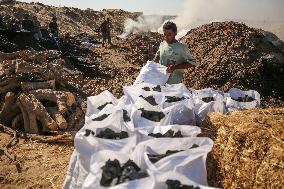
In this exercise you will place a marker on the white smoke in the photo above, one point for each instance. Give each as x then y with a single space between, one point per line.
199 12
142 23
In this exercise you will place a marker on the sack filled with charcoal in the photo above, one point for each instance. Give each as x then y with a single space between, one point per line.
186 156
237 99
175 93
148 92
117 170
97 103
206 101
182 113
152 116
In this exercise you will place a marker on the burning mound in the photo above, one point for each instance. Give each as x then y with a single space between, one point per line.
231 54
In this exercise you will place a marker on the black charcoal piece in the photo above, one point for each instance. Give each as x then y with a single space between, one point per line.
156 158
110 134
246 98
169 134
104 105
157 88
150 99
88 132
126 117
208 99
114 174
152 115
111 170
100 118
146 88
171 99
175 184
194 146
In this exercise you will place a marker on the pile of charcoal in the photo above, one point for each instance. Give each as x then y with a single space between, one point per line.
152 115
114 174
169 134
246 98
155 158
175 184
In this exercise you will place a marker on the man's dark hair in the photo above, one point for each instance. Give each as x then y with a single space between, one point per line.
170 26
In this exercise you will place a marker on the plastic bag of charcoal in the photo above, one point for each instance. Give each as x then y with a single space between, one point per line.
97 103
175 93
185 156
206 101
153 73
149 92
237 99
92 138
111 169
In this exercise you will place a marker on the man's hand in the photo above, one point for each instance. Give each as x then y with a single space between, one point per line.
171 68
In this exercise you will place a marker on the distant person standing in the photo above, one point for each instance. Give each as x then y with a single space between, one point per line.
1 22
53 27
37 27
105 28
15 25
173 54
27 24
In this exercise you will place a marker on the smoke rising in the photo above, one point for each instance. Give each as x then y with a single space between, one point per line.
198 12
142 23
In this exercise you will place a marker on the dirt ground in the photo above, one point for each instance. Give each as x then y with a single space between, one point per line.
41 165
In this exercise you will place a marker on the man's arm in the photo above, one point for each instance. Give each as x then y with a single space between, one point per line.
184 65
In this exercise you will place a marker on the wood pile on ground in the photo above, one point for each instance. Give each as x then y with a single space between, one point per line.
36 94
230 55
141 47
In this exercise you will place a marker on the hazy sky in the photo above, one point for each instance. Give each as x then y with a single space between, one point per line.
252 9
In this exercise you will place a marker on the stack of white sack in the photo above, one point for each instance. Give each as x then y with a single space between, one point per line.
148 109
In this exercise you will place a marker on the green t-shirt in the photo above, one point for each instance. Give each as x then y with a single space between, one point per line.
175 53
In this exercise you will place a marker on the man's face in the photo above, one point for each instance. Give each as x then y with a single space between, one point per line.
169 36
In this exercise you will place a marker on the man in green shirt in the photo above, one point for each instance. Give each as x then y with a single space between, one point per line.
173 54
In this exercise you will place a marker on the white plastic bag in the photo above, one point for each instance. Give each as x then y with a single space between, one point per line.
182 112
235 93
98 161
190 162
202 108
153 73
110 116
175 90
98 101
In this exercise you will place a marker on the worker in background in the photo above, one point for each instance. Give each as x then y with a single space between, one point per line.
37 28
27 24
105 29
53 27
173 54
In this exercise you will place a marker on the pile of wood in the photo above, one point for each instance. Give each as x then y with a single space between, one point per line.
141 46
70 20
37 95
232 54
